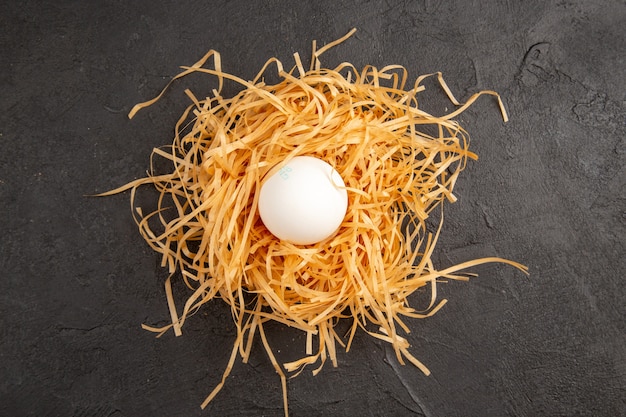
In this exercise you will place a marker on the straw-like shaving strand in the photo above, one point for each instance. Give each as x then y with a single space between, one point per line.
370 129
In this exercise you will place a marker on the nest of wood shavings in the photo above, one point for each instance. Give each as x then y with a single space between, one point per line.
367 124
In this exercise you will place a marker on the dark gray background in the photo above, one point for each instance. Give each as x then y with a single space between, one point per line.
548 190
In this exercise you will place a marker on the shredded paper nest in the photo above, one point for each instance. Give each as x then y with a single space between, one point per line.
367 124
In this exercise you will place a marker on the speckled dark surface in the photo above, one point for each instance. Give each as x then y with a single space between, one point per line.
548 190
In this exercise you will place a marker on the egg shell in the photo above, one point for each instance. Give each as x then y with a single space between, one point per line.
304 202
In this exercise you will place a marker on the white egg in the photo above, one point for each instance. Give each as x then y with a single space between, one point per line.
304 202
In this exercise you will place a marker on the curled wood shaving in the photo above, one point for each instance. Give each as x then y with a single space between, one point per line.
368 126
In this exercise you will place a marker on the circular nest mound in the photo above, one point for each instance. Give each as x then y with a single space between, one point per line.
368 126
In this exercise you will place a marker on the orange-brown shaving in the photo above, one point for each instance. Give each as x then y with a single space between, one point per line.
367 124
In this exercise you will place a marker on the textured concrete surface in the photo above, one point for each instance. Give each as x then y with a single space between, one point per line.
549 190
